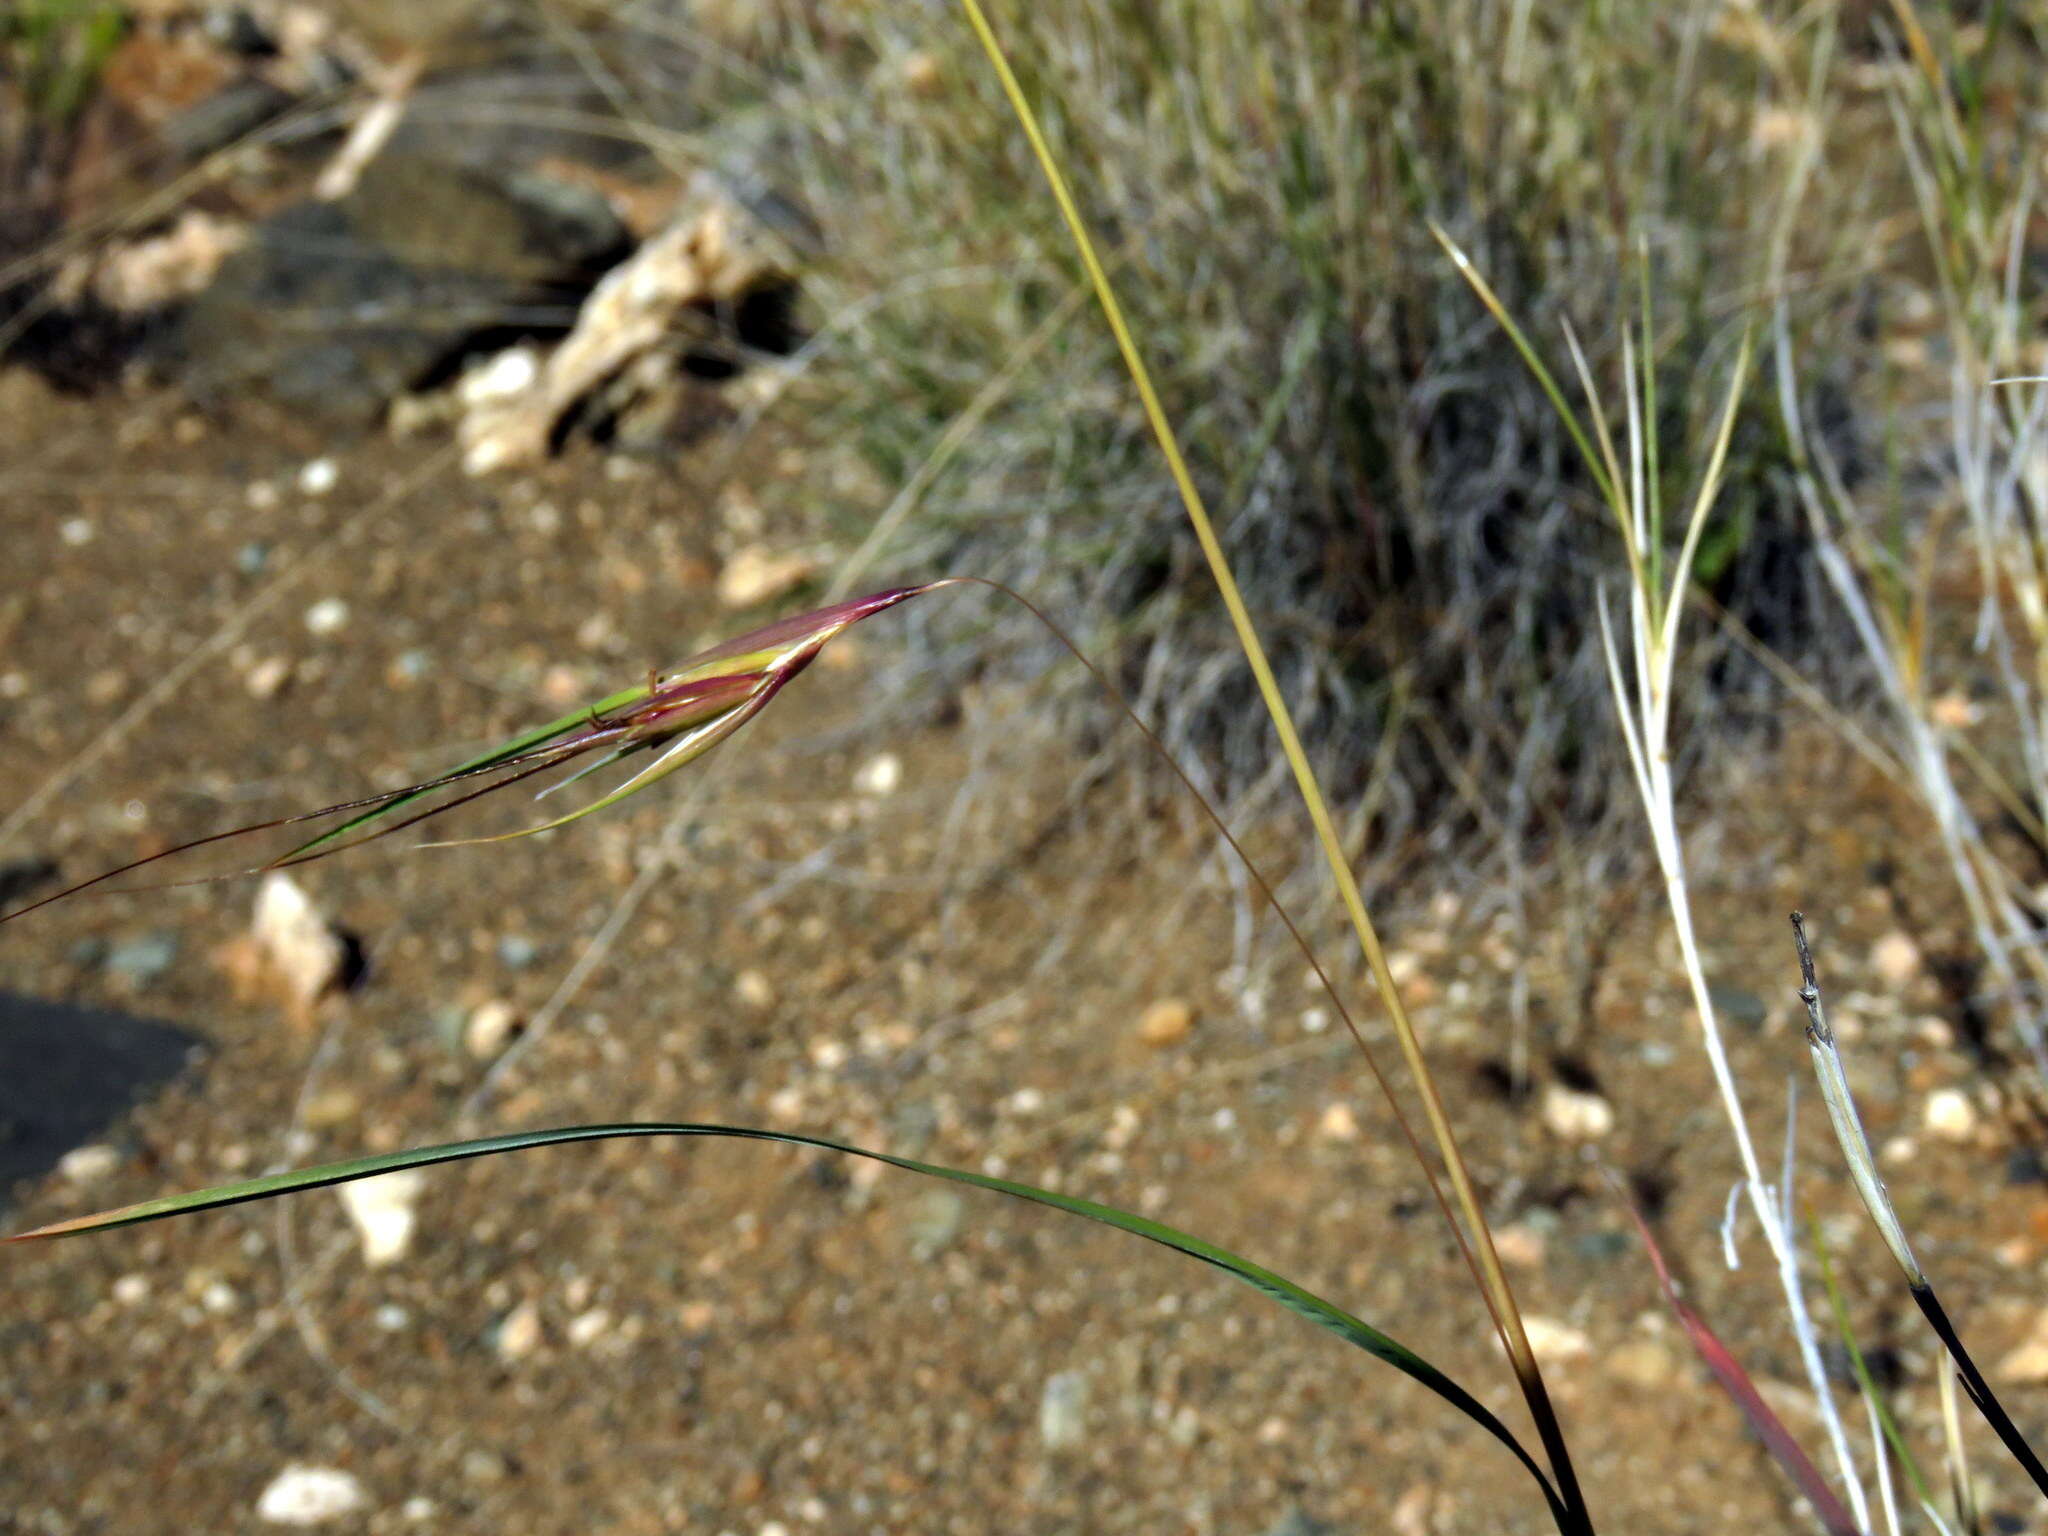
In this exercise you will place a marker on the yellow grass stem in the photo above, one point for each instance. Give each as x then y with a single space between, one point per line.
1514 1336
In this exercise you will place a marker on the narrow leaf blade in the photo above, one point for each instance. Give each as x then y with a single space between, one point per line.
1736 1382
1302 1302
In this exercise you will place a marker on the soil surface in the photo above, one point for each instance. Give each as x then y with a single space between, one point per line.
651 1337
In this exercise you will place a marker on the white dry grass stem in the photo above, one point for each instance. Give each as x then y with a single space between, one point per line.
1643 690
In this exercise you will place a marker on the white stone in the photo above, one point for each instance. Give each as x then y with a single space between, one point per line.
1063 1410
266 679
319 476
1554 1342
879 775
311 1496
1950 1115
1895 958
298 943
2028 1364
511 373
754 989
490 1028
754 575
1573 1115
89 1164
519 1335
327 617
586 1328
382 1209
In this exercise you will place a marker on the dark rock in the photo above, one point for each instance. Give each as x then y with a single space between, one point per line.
1298 1522
235 110
22 878
332 309
518 111
1600 1247
1738 1006
2024 1166
66 1072
234 30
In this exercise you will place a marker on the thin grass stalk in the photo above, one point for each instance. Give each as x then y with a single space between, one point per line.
1881 1414
1962 1491
1655 614
1515 1337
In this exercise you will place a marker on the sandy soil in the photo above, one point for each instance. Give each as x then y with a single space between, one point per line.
749 1340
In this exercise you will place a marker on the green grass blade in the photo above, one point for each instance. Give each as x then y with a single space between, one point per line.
504 751
1861 1368
1303 1303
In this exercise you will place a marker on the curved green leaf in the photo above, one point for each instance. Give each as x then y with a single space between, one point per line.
1302 1302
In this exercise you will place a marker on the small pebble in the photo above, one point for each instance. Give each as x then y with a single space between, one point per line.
267 678
1167 1022
382 1210
586 1328
498 379
327 616
251 558
1896 959
754 575
754 989
492 1026
879 775
318 477
1739 1006
1573 1115
75 531
1414 1513
141 960
311 1496
1554 1342
300 946
516 951
131 1290
1950 1115
2027 1365
519 1334
921 72
1338 1122
1521 1246
88 1164
1063 1410
1647 1364
1955 711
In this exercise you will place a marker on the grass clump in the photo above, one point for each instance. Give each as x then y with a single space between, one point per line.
1411 523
